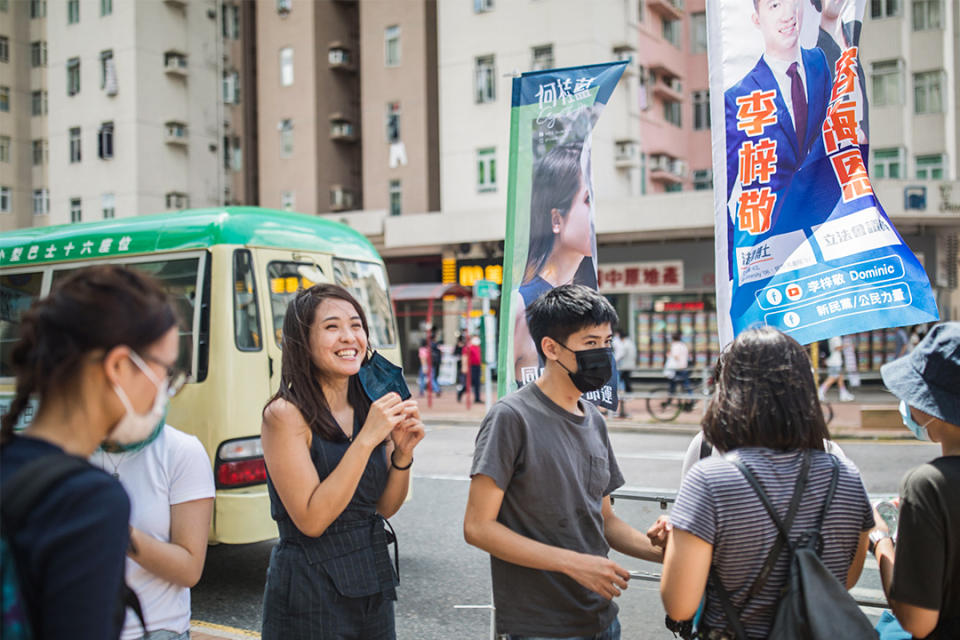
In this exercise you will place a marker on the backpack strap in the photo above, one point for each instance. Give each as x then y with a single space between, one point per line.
733 617
31 482
831 490
705 448
783 527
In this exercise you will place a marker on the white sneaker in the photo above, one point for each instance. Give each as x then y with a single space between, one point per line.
846 396
820 395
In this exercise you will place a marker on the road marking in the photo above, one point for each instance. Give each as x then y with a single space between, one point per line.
865 593
440 476
201 630
653 455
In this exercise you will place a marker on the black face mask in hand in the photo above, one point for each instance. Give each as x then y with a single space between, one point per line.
594 368
378 377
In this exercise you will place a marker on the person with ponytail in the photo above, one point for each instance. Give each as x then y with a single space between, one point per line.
338 449
96 356
170 483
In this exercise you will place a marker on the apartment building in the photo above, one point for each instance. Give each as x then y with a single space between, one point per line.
134 124
24 148
238 33
308 109
399 115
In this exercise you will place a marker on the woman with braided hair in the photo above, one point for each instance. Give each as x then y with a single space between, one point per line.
97 355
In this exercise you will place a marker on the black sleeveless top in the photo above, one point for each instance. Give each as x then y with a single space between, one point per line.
353 549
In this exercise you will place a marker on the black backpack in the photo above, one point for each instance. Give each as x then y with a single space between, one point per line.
813 604
17 499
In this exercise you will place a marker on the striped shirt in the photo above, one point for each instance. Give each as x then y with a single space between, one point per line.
716 504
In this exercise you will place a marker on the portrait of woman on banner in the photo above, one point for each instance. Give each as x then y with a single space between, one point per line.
561 247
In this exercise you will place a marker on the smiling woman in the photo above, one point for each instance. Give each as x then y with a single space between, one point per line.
338 464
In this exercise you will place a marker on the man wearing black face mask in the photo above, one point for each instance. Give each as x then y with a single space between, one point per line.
543 471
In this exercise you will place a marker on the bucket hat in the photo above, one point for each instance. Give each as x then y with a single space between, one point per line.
928 378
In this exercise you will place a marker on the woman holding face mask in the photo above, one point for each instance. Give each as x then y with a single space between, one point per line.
338 444
95 354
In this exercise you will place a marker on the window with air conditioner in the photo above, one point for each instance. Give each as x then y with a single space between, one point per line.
886 83
284 7
38 54
74 137
174 61
40 152
485 79
76 210
73 76
177 200
286 66
286 138
108 206
393 122
542 57
6 200
391 46
41 202
105 141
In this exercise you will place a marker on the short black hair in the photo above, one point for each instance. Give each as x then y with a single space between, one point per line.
765 396
566 309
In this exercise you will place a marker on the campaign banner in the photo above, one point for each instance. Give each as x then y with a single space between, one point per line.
550 237
802 242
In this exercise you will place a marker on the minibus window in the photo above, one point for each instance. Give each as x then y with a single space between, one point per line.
246 314
17 293
178 277
285 278
367 281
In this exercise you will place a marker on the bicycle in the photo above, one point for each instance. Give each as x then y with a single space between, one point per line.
665 407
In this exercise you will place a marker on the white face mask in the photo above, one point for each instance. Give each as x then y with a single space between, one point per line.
134 427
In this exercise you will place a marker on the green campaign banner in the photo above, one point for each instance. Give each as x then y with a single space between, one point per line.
550 238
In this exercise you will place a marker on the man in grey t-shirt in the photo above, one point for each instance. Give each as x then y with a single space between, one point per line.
542 475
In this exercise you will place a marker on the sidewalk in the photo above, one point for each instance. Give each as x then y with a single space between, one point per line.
848 417
208 631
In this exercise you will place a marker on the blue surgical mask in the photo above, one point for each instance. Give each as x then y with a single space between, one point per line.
919 430
378 377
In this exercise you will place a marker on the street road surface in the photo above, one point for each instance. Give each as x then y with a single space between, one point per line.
439 571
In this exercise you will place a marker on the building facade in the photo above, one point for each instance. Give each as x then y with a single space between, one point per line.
308 110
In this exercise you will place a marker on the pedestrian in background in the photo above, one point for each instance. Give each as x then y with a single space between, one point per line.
678 361
97 355
338 464
458 355
474 361
921 572
428 373
765 411
625 353
835 371
170 483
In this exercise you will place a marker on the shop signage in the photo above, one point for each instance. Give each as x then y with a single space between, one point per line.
470 274
641 277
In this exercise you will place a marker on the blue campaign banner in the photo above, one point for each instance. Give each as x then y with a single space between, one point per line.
803 244
550 233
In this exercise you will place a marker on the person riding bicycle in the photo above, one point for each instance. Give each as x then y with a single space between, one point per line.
678 359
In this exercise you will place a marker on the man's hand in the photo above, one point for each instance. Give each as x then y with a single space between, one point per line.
599 574
659 532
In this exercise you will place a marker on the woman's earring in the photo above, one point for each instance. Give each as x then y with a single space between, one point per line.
556 228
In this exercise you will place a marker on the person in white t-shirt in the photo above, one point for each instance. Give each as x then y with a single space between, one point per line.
170 483
835 371
678 359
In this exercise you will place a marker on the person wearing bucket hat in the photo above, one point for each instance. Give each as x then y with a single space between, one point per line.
924 590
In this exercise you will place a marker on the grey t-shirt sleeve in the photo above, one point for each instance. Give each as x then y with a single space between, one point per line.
922 545
499 445
616 476
695 508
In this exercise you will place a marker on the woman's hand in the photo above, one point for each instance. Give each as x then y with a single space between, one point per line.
384 416
408 434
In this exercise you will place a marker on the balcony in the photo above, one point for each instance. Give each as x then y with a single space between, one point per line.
667 9
175 64
669 92
667 169
175 133
669 67
340 58
342 129
627 154
341 199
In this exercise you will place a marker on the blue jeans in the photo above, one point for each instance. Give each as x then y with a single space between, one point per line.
610 633
422 381
683 377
